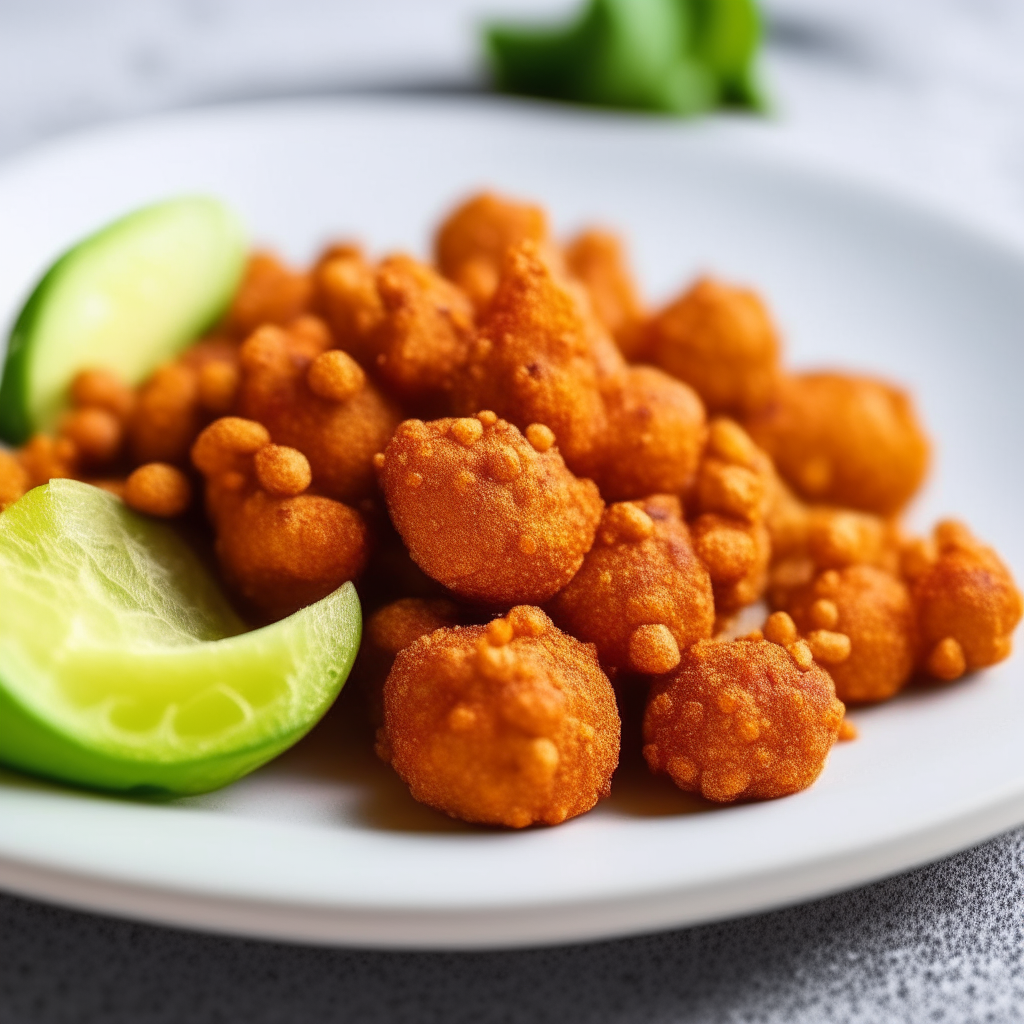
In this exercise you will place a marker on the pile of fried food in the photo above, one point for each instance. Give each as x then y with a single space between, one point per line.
547 495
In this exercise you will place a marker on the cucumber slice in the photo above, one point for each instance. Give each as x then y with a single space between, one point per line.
122 666
127 298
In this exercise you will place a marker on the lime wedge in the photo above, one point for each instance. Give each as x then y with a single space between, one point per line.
127 298
123 667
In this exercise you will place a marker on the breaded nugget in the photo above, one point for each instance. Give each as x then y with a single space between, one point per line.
45 458
158 489
742 719
471 243
407 326
345 295
270 293
179 399
14 479
843 440
873 609
318 401
654 437
730 499
389 630
642 596
721 341
279 548
597 259
967 602
535 360
512 723
494 517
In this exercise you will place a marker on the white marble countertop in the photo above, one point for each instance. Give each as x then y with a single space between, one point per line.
926 93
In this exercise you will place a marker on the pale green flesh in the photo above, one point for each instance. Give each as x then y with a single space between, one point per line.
122 666
130 297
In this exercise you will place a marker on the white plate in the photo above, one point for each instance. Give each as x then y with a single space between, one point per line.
324 845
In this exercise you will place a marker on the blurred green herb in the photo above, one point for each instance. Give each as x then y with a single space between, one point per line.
677 56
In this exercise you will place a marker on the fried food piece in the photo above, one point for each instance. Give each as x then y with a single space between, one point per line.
14 479
536 360
642 595
730 500
493 516
844 440
97 434
46 458
512 723
597 259
102 389
270 293
406 325
319 401
471 244
654 437
873 609
179 399
967 602
391 629
345 295
158 489
280 548
721 341
742 719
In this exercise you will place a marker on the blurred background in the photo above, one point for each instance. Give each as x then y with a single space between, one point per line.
929 93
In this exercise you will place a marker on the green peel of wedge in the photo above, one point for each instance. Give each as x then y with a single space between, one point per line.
128 298
123 667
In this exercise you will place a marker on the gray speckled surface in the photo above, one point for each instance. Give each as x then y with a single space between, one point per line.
942 944
930 90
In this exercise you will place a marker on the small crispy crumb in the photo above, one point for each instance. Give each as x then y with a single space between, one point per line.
281 471
847 731
780 629
158 489
540 436
801 654
335 375
827 647
653 649
946 660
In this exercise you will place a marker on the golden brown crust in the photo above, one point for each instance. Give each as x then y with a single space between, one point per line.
844 440
721 341
339 435
536 359
14 479
641 573
967 604
873 609
512 723
597 259
472 241
485 513
742 720
270 293
654 437
278 553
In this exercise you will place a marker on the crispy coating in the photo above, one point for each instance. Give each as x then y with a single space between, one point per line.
538 359
46 458
96 433
409 327
270 293
318 401
730 500
843 440
179 399
279 548
472 242
102 389
967 603
391 629
14 479
873 609
654 437
597 259
642 596
484 512
742 719
158 489
512 723
721 341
